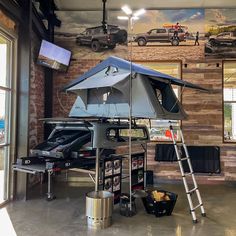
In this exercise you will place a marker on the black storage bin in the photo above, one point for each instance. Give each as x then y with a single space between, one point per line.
160 208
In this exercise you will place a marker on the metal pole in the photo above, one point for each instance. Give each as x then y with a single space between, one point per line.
104 23
130 115
97 169
50 195
145 166
49 183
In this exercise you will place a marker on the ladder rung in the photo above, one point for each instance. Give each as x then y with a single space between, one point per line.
180 144
187 174
125 177
192 190
183 159
200 204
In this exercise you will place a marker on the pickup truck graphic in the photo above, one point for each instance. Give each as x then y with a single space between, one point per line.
223 39
97 39
161 35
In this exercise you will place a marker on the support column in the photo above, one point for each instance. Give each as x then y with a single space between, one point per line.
23 84
48 75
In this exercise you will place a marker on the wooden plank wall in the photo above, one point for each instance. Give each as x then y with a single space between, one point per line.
204 125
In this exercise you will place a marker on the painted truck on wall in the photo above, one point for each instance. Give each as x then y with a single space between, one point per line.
161 35
96 38
221 33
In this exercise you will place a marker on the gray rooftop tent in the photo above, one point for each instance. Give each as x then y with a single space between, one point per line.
104 91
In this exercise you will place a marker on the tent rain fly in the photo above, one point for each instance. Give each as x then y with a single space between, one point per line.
104 91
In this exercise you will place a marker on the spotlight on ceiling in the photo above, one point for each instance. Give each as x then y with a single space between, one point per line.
139 12
130 15
122 17
126 9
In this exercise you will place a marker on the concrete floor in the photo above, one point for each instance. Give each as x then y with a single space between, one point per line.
66 215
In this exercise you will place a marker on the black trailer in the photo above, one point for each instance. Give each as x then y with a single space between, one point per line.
79 144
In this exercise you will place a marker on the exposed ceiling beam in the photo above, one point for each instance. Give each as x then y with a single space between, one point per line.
94 5
12 8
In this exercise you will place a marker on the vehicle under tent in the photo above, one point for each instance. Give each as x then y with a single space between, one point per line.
113 91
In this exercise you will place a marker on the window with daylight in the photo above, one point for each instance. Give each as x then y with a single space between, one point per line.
6 112
158 129
229 96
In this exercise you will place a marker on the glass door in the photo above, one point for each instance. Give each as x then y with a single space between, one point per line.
5 108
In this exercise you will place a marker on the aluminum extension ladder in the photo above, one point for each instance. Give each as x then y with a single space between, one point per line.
195 189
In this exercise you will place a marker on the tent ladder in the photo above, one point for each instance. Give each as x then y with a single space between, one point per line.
184 175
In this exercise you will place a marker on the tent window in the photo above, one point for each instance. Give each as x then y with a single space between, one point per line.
229 101
105 96
158 127
159 94
167 98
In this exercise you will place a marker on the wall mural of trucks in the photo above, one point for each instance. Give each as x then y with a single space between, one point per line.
202 33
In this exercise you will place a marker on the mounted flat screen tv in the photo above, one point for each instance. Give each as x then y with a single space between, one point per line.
53 56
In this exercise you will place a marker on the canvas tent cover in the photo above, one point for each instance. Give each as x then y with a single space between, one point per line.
104 91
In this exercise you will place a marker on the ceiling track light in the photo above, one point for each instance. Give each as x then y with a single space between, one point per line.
122 17
139 12
126 9
130 15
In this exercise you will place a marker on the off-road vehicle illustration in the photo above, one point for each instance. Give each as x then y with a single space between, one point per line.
161 35
97 39
225 38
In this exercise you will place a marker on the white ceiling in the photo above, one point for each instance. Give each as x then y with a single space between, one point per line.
75 5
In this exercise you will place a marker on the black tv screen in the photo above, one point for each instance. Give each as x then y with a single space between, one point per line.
53 56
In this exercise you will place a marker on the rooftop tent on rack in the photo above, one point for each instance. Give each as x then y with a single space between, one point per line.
104 91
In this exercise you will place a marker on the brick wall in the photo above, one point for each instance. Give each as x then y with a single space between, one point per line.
36 96
204 125
62 102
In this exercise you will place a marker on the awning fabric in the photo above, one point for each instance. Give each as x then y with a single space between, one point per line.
100 82
125 65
